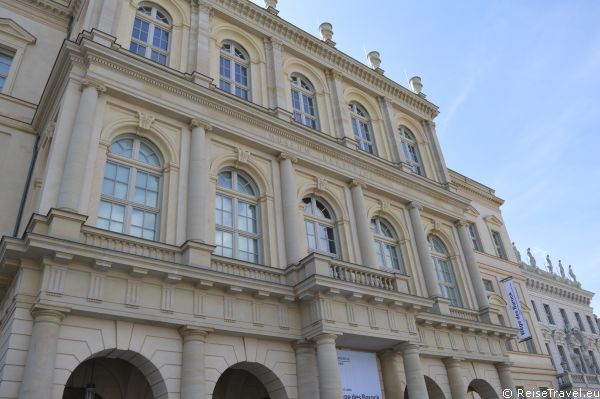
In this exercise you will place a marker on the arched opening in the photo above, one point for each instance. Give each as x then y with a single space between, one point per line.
115 374
248 380
433 390
481 389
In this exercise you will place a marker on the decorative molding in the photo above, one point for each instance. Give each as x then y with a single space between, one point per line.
11 28
96 288
96 84
321 184
243 156
145 120
493 219
200 123
132 293
286 155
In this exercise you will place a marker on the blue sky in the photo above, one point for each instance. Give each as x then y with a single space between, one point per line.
518 86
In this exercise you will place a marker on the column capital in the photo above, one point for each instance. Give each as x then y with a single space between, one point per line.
358 183
286 155
415 205
325 338
303 345
461 223
334 74
452 361
48 314
96 84
503 365
192 333
384 100
195 122
274 42
408 347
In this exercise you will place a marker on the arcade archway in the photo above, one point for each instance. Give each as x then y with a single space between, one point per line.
481 389
433 390
247 380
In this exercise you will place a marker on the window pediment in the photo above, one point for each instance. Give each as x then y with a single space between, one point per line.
491 219
15 33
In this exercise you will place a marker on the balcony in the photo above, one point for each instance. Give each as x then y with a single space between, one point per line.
569 380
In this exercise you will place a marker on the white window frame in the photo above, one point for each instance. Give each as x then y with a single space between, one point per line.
305 91
317 221
499 244
13 41
383 242
234 60
236 197
134 165
361 122
153 22
411 150
438 259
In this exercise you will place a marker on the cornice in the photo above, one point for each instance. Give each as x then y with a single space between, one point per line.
86 52
48 11
310 45
554 285
473 187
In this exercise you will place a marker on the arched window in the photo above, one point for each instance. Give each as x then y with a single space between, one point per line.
234 70
237 226
130 200
388 251
411 150
361 125
319 223
303 101
151 34
444 270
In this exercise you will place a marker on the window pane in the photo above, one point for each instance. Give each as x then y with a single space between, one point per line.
225 68
116 181
310 234
247 217
380 255
123 147
111 216
224 243
248 249
244 186
5 62
225 180
147 155
143 224
160 39
224 212
223 85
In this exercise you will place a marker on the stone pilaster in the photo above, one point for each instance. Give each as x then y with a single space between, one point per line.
365 238
76 162
455 378
467 246
275 76
38 375
306 370
295 247
385 105
330 386
343 126
431 281
438 156
391 371
193 381
198 184
415 379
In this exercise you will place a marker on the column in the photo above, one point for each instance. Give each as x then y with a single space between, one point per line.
506 380
198 184
69 196
415 379
330 386
343 127
38 374
365 239
467 246
193 39
203 39
295 248
306 370
390 372
275 76
438 156
458 389
192 363
431 282
385 105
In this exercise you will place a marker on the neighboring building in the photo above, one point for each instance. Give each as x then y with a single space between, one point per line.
220 205
568 325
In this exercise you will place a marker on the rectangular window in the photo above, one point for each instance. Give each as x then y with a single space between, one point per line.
565 319
6 59
563 358
499 246
591 324
501 320
537 315
530 346
579 321
581 366
549 314
508 345
550 353
488 285
594 364
475 237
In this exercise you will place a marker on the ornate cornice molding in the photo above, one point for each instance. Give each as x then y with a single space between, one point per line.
250 13
475 188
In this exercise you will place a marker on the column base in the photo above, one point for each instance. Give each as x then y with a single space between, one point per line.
197 253
441 306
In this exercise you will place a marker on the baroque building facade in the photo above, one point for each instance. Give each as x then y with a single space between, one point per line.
212 203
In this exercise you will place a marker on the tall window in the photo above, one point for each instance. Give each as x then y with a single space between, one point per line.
591 324
488 285
565 319
130 201
233 69
537 315
386 245
237 227
151 34
303 101
593 363
411 150
361 125
444 270
579 321
530 346
319 224
6 59
563 358
475 237
499 245
580 365
549 314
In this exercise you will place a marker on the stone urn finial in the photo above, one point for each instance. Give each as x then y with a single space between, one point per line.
271 6
375 61
326 31
416 85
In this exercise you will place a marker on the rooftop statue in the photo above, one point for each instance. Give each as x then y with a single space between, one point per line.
562 269
573 276
549 264
517 253
531 258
